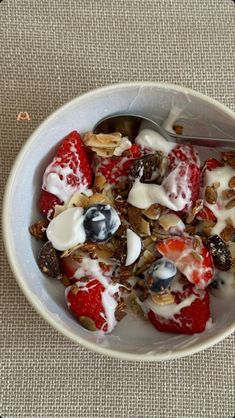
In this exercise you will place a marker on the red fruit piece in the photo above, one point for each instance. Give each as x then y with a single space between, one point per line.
183 183
186 153
114 168
84 299
46 204
194 262
206 214
135 151
190 312
70 170
70 264
211 164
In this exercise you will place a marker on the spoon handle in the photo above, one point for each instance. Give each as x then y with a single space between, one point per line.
204 142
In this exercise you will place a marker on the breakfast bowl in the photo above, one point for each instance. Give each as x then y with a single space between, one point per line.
168 105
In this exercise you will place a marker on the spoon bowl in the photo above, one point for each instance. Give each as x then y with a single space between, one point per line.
130 124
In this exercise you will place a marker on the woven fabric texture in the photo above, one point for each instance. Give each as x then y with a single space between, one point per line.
52 51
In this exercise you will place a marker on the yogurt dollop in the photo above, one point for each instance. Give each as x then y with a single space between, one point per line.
66 230
148 138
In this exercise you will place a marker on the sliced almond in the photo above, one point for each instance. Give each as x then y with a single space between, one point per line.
99 198
78 200
211 195
59 209
103 152
159 234
135 306
137 222
102 140
162 298
99 183
168 221
197 242
153 212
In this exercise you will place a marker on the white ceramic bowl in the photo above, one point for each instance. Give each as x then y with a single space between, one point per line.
132 338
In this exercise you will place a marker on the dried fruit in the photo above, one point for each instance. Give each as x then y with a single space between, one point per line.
147 167
38 230
87 323
220 253
48 260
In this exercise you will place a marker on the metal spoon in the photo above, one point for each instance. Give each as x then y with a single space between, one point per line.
129 125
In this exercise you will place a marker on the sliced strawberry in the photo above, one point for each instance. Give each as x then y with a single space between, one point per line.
84 299
182 185
46 204
195 262
69 172
94 303
211 164
191 318
114 168
135 151
186 153
206 214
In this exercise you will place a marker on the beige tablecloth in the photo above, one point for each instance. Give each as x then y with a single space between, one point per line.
52 51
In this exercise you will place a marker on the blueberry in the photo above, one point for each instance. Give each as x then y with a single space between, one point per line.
160 275
100 222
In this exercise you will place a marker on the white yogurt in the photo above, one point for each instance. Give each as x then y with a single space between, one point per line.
133 247
221 175
66 230
148 138
124 145
172 194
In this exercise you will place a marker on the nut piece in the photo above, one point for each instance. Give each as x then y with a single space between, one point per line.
78 200
169 220
231 182
87 323
163 298
153 212
138 224
229 158
48 260
99 183
211 195
227 233
230 204
135 306
196 208
228 193
106 141
120 311
99 198
38 230
178 129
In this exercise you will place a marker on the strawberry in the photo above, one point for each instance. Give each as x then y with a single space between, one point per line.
115 167
93 303
69 172
183 184
191 318
84 299
71 263
187 153
211 164
46 204
191 258
135 151
206 214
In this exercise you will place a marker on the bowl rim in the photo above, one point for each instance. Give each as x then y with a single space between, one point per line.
121 355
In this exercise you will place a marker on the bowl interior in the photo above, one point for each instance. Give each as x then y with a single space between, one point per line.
133 338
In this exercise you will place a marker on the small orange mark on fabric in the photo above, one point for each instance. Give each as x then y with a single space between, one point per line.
23 116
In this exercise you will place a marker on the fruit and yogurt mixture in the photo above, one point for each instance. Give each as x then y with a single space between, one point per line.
138 226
